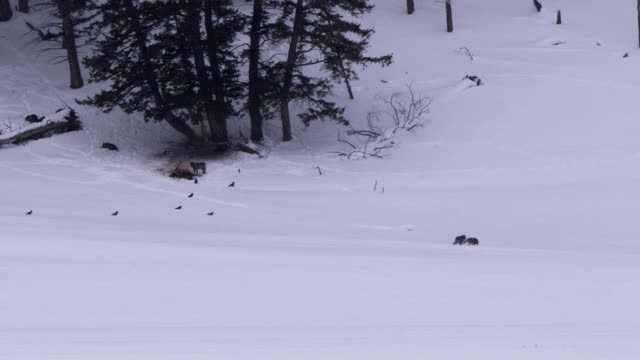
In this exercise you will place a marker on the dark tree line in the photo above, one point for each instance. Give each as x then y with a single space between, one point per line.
321 36
180 61
196 64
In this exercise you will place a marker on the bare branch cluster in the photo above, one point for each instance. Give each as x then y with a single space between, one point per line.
402 111
406 110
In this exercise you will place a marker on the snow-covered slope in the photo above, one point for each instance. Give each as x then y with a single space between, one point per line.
541 164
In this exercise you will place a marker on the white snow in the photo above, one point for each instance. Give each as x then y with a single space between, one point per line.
542 164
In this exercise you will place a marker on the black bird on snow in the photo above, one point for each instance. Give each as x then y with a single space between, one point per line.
190 195
210 214
179 207
233 183
115 214
195 181
30 212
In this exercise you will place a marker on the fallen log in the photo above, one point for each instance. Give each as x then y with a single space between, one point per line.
39 131
248 149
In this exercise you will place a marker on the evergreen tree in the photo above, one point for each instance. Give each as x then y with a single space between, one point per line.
254 100
65 11
193 20
222 25
69 23
323 34
264 45
173 60
142 64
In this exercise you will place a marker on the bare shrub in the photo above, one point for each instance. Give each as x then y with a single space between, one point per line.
401 111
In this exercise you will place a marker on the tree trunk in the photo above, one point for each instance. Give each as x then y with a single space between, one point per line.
638 23
559 18
150 77
23 6
537 4
449 16
204 91
287 81
69 39
254 101
219 127
345 77
411 7
78 4
65 40
5 10
343 70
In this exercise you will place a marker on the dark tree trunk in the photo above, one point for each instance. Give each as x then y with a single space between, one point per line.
205 92
254 101
559 18
449 16
65 40
23 6
78 4
69 40
537 4
292 57
150 77
411 7
638 23
219 127
5 10
342 69
203 131
345 77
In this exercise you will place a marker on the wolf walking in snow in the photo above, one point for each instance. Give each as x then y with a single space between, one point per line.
472 241
464 240
460 240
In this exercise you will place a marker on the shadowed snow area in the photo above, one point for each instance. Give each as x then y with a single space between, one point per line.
541 163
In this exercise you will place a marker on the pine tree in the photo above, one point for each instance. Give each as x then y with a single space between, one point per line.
222 25
172 60
140 55
192 23
264 74
325 34
69 20
72 116
254 100
69 39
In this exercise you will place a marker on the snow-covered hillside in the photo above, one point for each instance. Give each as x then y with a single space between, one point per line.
542 164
